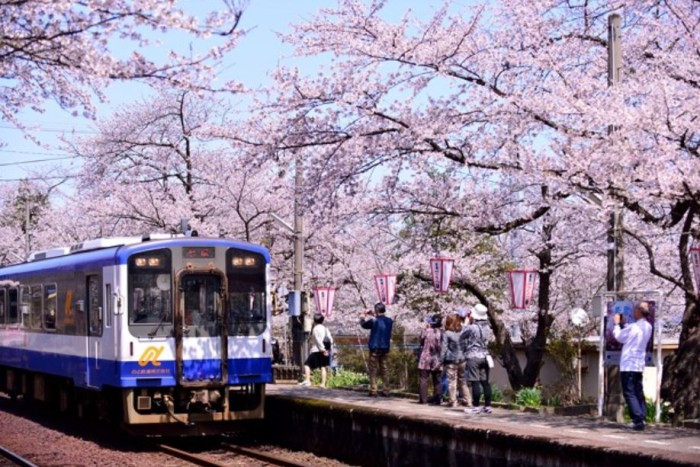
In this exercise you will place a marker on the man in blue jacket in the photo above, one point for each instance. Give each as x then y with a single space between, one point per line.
379 344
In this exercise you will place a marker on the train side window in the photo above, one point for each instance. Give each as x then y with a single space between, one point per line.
3 307
50 306
25 304
36 307
12 306
108 302
94 305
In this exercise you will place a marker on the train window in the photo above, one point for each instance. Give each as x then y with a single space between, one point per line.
150 294
25 303
50 306
3 307
108 302
35 307
12 306
94 305
200 296
247 304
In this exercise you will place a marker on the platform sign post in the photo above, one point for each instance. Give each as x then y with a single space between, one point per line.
441 270
324 298
386 287
695 263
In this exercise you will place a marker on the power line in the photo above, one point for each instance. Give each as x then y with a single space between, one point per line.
31 179
49 130
35 152
5 164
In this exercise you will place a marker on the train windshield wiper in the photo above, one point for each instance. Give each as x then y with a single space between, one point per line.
160 324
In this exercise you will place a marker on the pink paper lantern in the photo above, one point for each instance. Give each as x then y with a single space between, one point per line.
441 269
324 298
522 286
386 287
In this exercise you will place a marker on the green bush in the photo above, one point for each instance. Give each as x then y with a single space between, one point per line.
529 397
650 416
341 378
496 394
554 401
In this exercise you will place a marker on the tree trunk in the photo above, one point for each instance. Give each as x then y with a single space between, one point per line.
681 378
509 358
535 349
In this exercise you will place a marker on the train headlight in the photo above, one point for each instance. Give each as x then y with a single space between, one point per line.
148 262
244 261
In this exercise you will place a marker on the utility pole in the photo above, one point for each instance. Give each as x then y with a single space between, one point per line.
296 322
27 234
615 272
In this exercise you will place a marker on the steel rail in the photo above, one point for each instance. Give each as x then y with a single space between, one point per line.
189 457
263 456
16 458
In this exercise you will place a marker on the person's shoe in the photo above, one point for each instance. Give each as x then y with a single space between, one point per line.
635 426
487 410
473 410
452 404
372 394
464 403
305 383
385 394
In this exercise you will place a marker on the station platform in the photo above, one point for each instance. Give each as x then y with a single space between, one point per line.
360 430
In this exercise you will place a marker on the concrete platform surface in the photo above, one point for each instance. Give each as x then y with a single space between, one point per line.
680 445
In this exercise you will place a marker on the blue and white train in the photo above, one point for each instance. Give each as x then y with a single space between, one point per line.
166 334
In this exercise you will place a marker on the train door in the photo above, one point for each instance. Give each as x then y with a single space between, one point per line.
93 313
200 332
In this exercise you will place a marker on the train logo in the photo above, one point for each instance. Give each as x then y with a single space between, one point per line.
150 355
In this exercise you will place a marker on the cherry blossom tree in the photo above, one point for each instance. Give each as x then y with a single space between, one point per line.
69 51
514 91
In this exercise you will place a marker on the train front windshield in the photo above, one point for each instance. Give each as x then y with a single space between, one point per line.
247 311
150 295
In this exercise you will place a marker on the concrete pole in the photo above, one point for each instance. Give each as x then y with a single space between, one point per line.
615 272
296 322
27 234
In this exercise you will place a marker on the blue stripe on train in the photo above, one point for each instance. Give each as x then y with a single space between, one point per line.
131 374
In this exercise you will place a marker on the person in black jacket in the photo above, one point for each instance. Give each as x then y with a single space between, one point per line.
379 344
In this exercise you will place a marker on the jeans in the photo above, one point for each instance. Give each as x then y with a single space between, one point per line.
378 366
633 391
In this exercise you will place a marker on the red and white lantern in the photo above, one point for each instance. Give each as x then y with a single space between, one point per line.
441 269
386 287
695 263
522 286
324 297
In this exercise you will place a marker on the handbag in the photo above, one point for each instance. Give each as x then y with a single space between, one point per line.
327 342
489 358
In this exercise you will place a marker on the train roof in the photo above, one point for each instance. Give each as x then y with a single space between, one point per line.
110 251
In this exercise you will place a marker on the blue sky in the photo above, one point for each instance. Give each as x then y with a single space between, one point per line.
256 56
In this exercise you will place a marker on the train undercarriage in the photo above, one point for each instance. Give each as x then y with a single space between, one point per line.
145 411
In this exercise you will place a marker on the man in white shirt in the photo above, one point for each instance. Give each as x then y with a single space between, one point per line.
634 339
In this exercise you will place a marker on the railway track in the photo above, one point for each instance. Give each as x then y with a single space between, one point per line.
208 459
15 458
